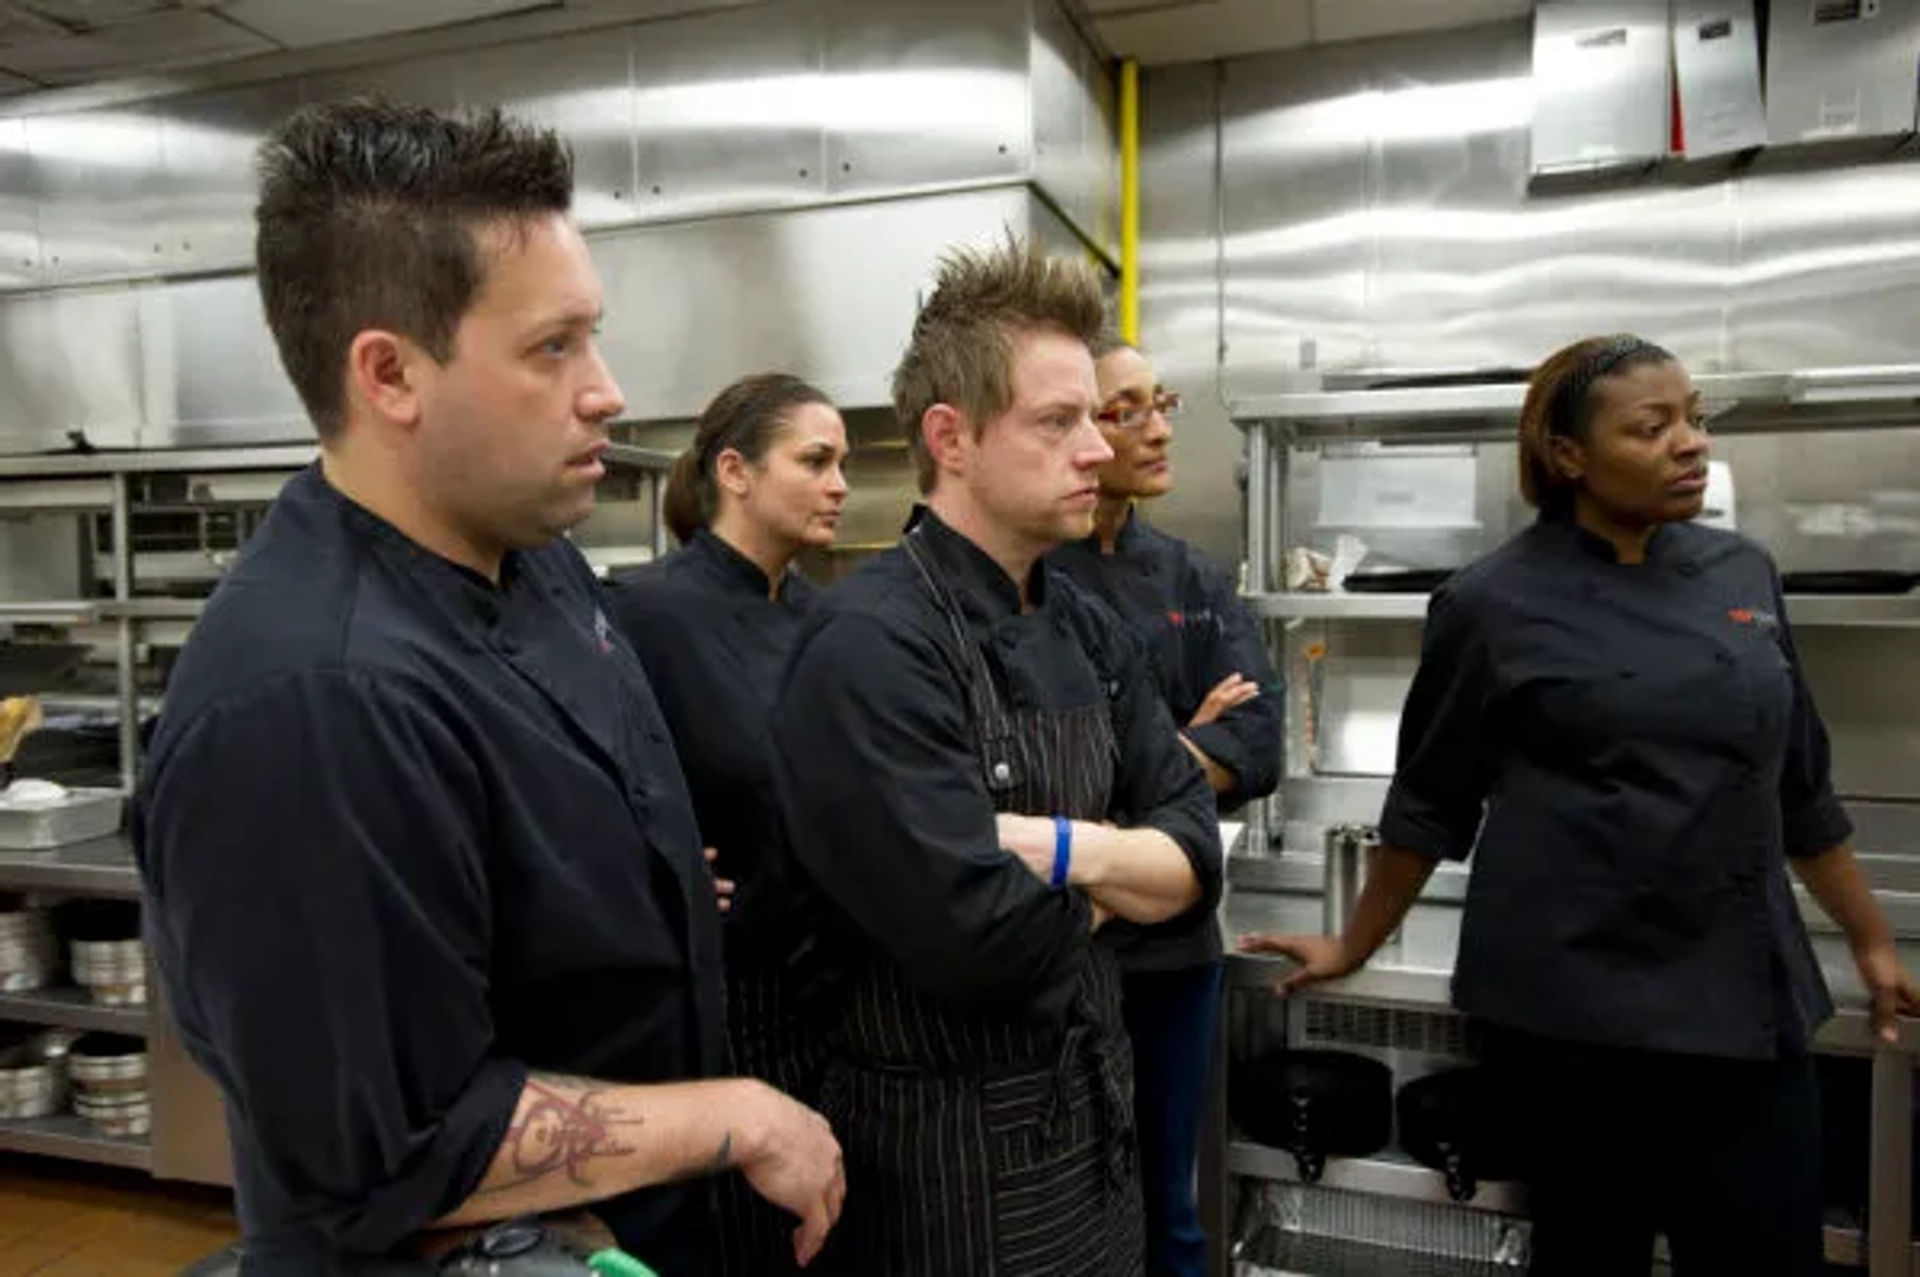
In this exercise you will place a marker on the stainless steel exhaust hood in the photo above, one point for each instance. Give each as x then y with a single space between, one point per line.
1842 69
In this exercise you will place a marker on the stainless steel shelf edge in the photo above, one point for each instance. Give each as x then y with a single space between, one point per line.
155 609
159 461
103 867
1418 987
1375 1176
1424 988
1805 610
1762 394
73 1009
51 612
71 1136
634 457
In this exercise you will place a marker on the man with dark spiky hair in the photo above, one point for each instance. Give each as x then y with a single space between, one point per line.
976 772
425 886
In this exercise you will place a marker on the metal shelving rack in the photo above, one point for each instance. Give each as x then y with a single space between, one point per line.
1274 426
188 1140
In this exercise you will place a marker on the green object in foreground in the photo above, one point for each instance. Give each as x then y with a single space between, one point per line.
617 1263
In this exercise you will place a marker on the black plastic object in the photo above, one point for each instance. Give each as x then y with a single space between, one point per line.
1439 380
1458 1122
1407 581
29 669
1859 581
515 1248
1313 1104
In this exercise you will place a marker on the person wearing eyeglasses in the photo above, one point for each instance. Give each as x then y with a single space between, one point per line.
1212 670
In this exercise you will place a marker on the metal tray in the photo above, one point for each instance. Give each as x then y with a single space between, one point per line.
80 816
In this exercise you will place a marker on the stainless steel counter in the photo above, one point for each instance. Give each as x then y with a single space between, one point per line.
1386 982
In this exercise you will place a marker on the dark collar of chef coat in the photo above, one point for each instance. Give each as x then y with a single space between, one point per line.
471 597
1130 540
981 586
732 570
1670 548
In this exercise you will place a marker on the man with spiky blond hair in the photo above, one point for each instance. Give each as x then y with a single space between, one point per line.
976 774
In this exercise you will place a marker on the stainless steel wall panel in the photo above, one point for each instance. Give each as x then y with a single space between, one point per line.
1059 110
70 361
827 293
212 375
203 211
19 210
1180 300
924 92
430 82
1867 685
1297 228
729 112
1829 267
95 176
581 86
1888 836
1103 145
1368 669
1469 271
1829 502
1074 138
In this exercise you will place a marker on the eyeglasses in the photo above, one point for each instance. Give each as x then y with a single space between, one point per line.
1132 416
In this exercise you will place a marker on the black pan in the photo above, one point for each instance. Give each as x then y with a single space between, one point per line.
1313 1104
1459 1123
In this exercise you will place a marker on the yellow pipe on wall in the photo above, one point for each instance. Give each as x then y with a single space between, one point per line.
1130 200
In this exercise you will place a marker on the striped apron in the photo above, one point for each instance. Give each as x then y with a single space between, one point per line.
979 1146
770 1041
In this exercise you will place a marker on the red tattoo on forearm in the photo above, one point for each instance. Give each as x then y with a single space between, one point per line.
565 1131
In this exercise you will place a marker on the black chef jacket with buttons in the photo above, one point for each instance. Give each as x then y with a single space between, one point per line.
888 815
407 835
1648 755
1197 630
714 644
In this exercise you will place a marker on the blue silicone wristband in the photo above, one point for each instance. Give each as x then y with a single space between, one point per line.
1062 849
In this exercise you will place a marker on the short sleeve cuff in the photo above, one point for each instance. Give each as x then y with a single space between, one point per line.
1820 827
1414 824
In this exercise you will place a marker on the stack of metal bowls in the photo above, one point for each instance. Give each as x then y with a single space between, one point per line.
29 950
108 1072
33 1081
106 956
113 971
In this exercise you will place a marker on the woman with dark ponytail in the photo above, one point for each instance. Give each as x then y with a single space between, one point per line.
712 623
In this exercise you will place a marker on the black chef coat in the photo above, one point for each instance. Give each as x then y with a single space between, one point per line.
714 646
407 835
1647 754
1197 631
887 812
